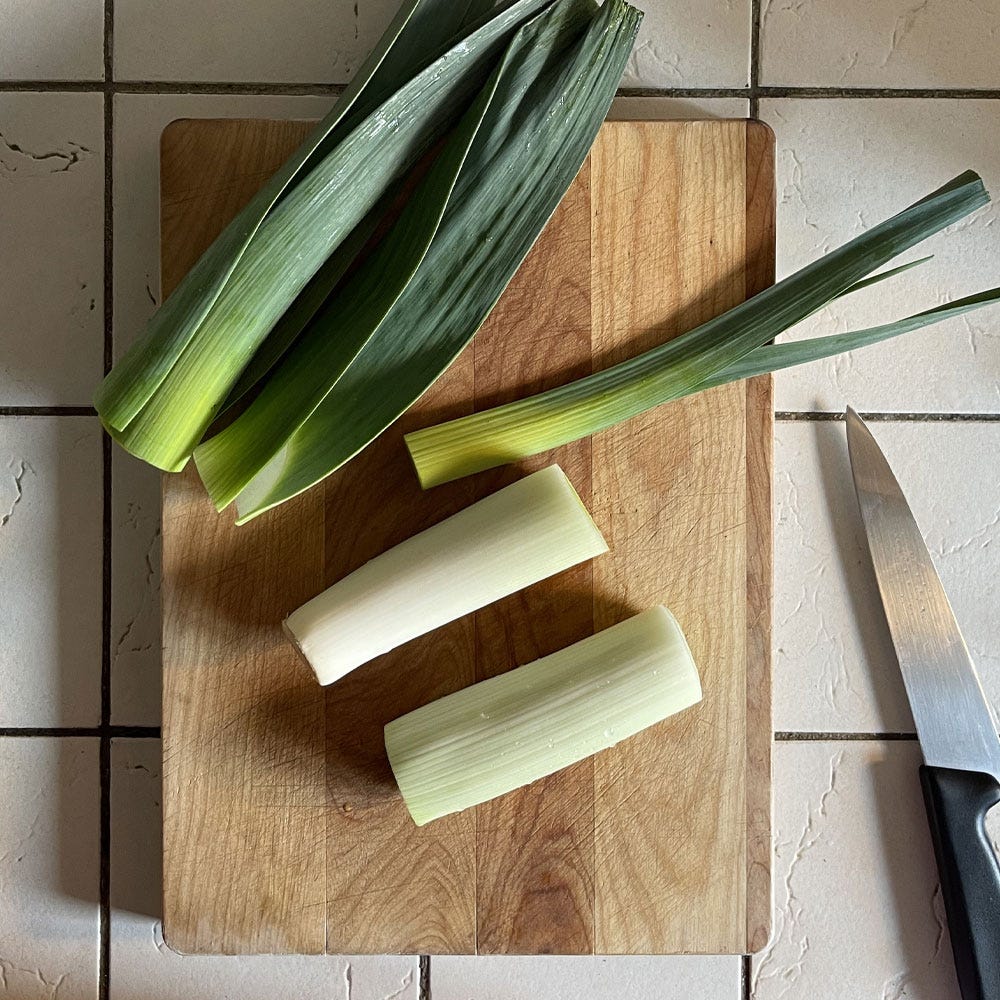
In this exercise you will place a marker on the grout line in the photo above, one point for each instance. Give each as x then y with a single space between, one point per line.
755 14
745 977
47 411
332 89
110 732
937 93
790 416
789 737
683 92
425 978
104 959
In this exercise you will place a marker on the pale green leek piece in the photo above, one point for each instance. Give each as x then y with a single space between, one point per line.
524 533
510 730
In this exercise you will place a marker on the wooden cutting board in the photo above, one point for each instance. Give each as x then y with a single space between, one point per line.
283 829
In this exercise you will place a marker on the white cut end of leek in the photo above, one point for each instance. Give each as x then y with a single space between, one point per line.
528 531
505 732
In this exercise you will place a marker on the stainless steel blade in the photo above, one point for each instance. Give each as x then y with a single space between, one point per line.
954 721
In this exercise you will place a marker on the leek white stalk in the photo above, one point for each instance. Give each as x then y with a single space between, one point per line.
513 538
505 732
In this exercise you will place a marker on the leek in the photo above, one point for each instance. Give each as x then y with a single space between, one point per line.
549 104
510 730
161 398
524 533
358 311
726 348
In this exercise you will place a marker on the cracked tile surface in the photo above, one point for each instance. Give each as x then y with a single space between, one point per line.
671 977
857 900
898 151
691 45
135 610
901 43
49 863
51 40
834 666
298 41
52 212
50 571
144 966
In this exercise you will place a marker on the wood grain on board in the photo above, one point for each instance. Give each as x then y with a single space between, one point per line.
283 830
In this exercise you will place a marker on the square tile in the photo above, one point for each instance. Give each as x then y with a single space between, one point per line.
901 43
834 666
52 245
142 965
298 41
52 40
50 571
49 868
845 165
640 977
857 899
135 612
704 44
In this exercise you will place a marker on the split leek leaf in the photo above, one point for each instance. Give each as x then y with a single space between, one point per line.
229 460
524 157
774 357
286 248
524 533
398 54
505 732
692 361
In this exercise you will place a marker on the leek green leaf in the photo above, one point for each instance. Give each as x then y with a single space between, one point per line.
774 357
528 149
417 25
687 363
286 248
230 459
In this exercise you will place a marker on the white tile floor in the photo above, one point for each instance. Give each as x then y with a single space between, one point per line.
76 702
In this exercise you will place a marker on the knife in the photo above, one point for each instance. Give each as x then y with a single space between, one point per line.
957 731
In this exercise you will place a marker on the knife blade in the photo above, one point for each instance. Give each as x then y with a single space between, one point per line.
955 725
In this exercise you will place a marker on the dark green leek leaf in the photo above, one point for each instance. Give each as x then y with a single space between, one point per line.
202 349
774 357
687 363
529 147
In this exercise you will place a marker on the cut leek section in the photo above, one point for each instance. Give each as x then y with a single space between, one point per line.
505 732
513 538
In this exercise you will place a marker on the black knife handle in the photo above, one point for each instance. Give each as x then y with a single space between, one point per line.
957 803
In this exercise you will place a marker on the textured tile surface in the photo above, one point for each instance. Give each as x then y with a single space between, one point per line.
899 43
143 966
51 244
835 669
51 40
858 911
638 978
895 152
140 119
680 44
297 41
49 865
50 571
